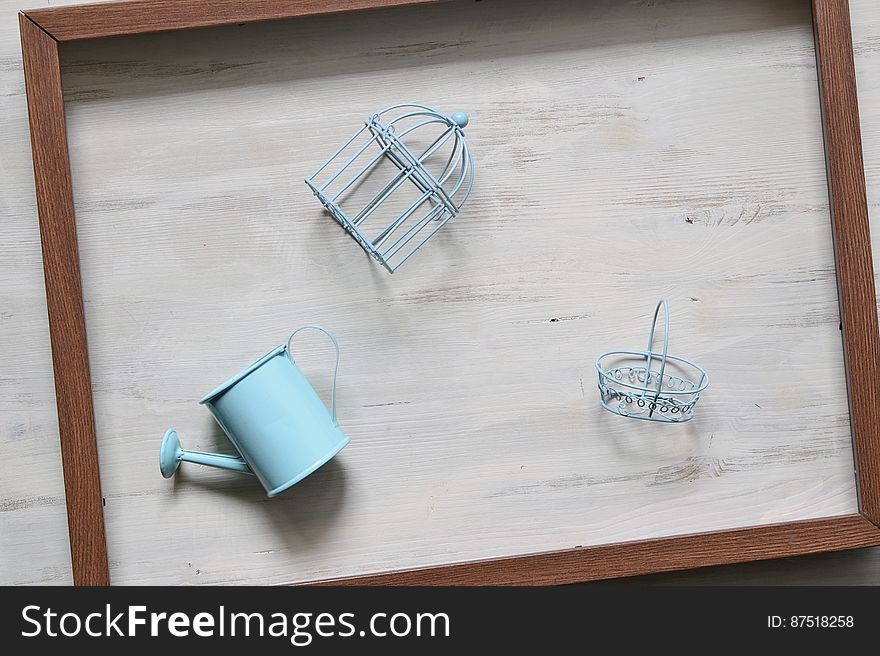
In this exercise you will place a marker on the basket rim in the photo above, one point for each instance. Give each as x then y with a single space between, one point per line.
603 373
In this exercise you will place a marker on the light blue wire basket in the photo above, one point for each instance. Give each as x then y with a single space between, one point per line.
403 176
631 386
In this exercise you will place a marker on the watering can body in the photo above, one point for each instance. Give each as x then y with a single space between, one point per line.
275 420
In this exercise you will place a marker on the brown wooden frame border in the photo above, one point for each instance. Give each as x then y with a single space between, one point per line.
42 33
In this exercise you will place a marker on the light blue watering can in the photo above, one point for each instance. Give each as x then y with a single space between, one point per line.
274 418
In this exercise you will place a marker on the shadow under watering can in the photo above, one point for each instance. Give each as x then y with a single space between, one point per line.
272 415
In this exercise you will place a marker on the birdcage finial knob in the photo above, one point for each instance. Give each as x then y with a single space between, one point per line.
460 119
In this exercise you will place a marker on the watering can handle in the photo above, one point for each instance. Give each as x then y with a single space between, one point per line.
650 348
335 368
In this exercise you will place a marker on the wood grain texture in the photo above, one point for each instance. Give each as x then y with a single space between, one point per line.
91 21
649 556
65 305
130 502
849 210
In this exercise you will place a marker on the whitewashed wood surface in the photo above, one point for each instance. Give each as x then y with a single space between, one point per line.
625 151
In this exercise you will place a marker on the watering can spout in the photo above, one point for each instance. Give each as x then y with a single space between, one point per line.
171 455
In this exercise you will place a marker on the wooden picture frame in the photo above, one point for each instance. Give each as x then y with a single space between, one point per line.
42 33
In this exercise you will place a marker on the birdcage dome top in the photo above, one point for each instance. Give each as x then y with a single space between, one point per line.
419 116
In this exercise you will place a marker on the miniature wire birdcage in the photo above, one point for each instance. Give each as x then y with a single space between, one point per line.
398 180
630 387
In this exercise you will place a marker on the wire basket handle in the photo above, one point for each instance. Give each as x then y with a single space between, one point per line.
650 349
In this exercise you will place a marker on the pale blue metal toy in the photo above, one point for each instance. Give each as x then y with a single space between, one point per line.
630 387
398 180
274 419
